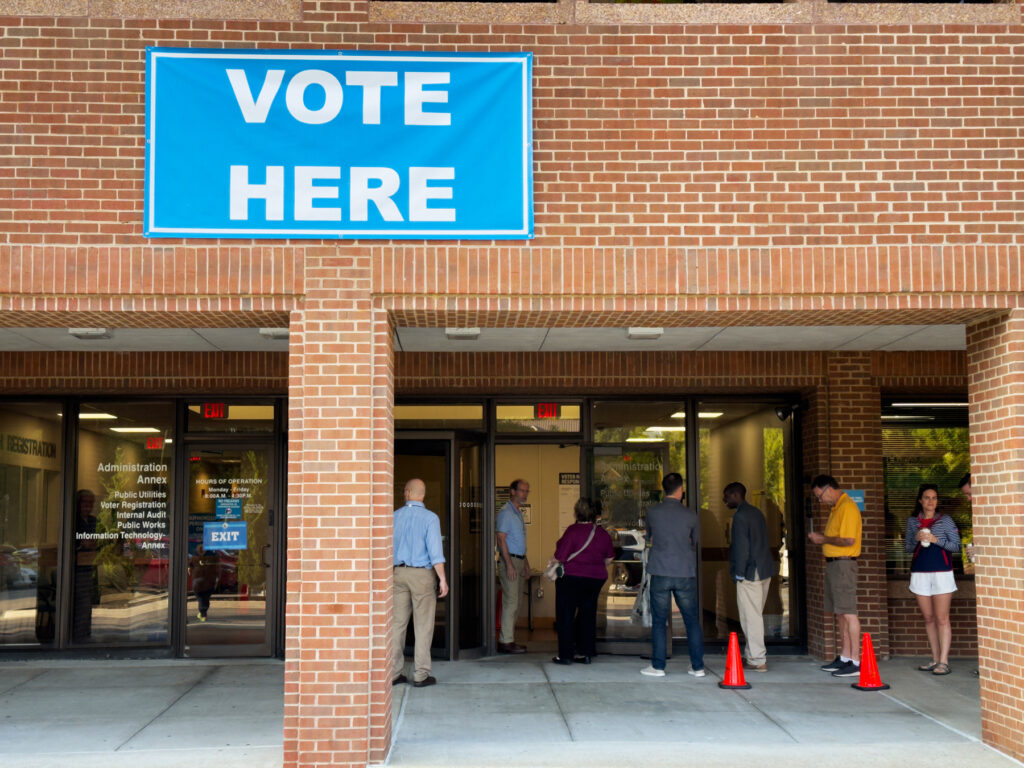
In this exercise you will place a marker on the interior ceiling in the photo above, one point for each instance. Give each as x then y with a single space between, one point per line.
706 339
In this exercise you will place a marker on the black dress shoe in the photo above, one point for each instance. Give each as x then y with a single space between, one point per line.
399 680
581 659
511 648
428 680
560 660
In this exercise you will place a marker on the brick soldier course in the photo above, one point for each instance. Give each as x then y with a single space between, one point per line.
811 164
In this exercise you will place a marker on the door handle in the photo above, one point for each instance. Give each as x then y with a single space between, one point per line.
263 555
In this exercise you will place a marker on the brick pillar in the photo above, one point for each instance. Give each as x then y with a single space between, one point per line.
995 369
847 411
337 700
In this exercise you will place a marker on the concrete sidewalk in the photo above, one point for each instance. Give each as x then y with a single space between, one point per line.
528 712
500 712
153 713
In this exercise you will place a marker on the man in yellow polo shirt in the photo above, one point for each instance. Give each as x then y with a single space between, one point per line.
840 543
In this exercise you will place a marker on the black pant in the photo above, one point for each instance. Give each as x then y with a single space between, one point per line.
576 615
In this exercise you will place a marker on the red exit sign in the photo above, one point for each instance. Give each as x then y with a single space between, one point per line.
215 410
154 443
546 411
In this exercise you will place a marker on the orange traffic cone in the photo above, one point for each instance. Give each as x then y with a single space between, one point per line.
733 666
869 678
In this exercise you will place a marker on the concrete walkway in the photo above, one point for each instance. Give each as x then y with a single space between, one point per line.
500 712
528 712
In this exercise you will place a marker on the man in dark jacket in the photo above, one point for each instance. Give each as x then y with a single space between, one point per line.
751 567
672 531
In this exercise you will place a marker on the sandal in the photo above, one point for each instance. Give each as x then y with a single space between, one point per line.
929 666
941 669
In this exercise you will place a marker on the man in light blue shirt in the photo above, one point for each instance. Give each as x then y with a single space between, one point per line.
511 532
418 557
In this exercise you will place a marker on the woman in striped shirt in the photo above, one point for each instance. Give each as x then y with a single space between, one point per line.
933 538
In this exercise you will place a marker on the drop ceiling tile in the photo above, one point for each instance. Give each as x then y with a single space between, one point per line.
782 338
490 340
616 340
932 337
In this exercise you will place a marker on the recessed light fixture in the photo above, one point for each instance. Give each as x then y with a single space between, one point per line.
96 416
665 429
709 414
89 334
462 334
644 334
136 430
900 417
678 415
644 440
274 334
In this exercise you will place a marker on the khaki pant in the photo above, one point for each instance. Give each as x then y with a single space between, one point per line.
750 598
510 591
414 595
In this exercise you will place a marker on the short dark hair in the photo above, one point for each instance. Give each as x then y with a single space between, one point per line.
584 510
965 480
739 488
514 485
671 483
825 481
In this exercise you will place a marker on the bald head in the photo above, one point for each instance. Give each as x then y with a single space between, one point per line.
415 490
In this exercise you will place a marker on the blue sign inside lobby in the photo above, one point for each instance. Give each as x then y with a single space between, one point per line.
338 144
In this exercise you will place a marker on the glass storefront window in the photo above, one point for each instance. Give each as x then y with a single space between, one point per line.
121 523
923 443
744 442
538 417
439 416
31 452
230 418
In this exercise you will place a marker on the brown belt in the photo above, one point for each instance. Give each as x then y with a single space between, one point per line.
843 557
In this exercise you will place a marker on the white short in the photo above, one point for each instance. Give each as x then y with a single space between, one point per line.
938 583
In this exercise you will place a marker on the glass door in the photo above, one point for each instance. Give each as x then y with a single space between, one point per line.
626 479
750 443
230 492
430 460
451 466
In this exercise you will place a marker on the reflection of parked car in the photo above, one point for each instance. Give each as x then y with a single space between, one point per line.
632 542
10 568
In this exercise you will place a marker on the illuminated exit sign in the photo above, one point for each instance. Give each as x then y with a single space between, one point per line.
546 411
215 410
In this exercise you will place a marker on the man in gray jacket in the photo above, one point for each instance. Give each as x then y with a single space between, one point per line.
752 567
673 532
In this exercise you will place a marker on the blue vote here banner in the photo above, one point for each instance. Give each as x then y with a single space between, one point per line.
338 144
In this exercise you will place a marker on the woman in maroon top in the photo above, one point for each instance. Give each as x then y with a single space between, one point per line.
585 550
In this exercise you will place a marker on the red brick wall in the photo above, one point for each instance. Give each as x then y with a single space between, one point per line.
906 628
995 360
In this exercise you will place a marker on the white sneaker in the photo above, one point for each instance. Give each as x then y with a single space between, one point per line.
652 672
697 672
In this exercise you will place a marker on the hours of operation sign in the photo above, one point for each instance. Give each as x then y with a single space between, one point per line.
338 144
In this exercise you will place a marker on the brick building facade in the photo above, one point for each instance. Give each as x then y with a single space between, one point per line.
806 164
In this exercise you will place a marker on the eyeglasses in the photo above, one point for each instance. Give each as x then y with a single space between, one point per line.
819 495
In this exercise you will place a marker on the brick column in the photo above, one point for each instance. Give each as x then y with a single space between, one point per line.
995 368
848 412
337 700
